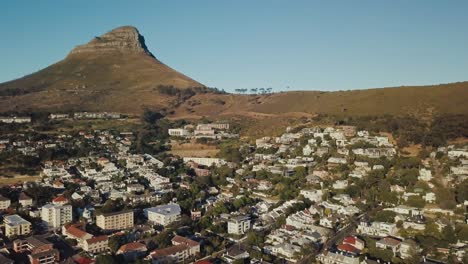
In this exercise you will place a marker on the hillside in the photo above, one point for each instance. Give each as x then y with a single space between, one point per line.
113 72
413 101
116 72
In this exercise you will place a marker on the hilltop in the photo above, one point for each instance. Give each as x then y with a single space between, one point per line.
113 72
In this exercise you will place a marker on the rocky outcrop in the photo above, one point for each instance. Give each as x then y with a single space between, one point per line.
125 39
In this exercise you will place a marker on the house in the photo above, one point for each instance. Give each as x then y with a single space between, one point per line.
354 241
430 197
4 203
340 184
40 250
135 188
25 200
195 215
60 200
329 257
381 229
194 246
181 250
239 225
178 132
15 225
313 195
348 249
77 232
425 175
408 248
236 252
132 251
96 244
163 214
389 243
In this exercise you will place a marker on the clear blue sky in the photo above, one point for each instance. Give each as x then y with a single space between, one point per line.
314 45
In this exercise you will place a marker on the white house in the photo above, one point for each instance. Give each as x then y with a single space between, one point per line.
163 214
239 225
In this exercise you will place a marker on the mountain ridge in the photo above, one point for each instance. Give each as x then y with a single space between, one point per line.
117 72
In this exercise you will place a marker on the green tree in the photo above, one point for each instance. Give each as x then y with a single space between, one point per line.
416 201
449 235
461 191
385 216
105 259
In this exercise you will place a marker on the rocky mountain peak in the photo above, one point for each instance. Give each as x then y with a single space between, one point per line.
124 39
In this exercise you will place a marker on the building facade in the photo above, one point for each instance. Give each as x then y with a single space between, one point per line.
115 221
56 215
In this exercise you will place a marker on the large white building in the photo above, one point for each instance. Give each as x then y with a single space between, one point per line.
56 215
313 195
15 225
205 161
163 214
381 229
178 132
239 225
4 203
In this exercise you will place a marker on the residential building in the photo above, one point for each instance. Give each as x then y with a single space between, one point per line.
389 243
4 203
329 257
40 250
55 216
96 244
178 132
313 195
381 229
239 225
132 251
181 250
15 225
234 253
115 221
25 200
163 214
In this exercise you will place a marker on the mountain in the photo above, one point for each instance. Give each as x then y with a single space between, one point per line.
117 72
113 72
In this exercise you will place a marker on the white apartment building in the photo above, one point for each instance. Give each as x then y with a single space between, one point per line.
178 132
15 225
115 220
239 225
163 214
56 215
4 203
381 229
96 244
205 161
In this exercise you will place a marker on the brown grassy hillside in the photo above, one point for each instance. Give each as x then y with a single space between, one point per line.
417 101
116 72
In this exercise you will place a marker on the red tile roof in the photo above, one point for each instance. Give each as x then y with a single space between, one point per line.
185 241
97 239
132 246
164 252
60 198
76 232
348 248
